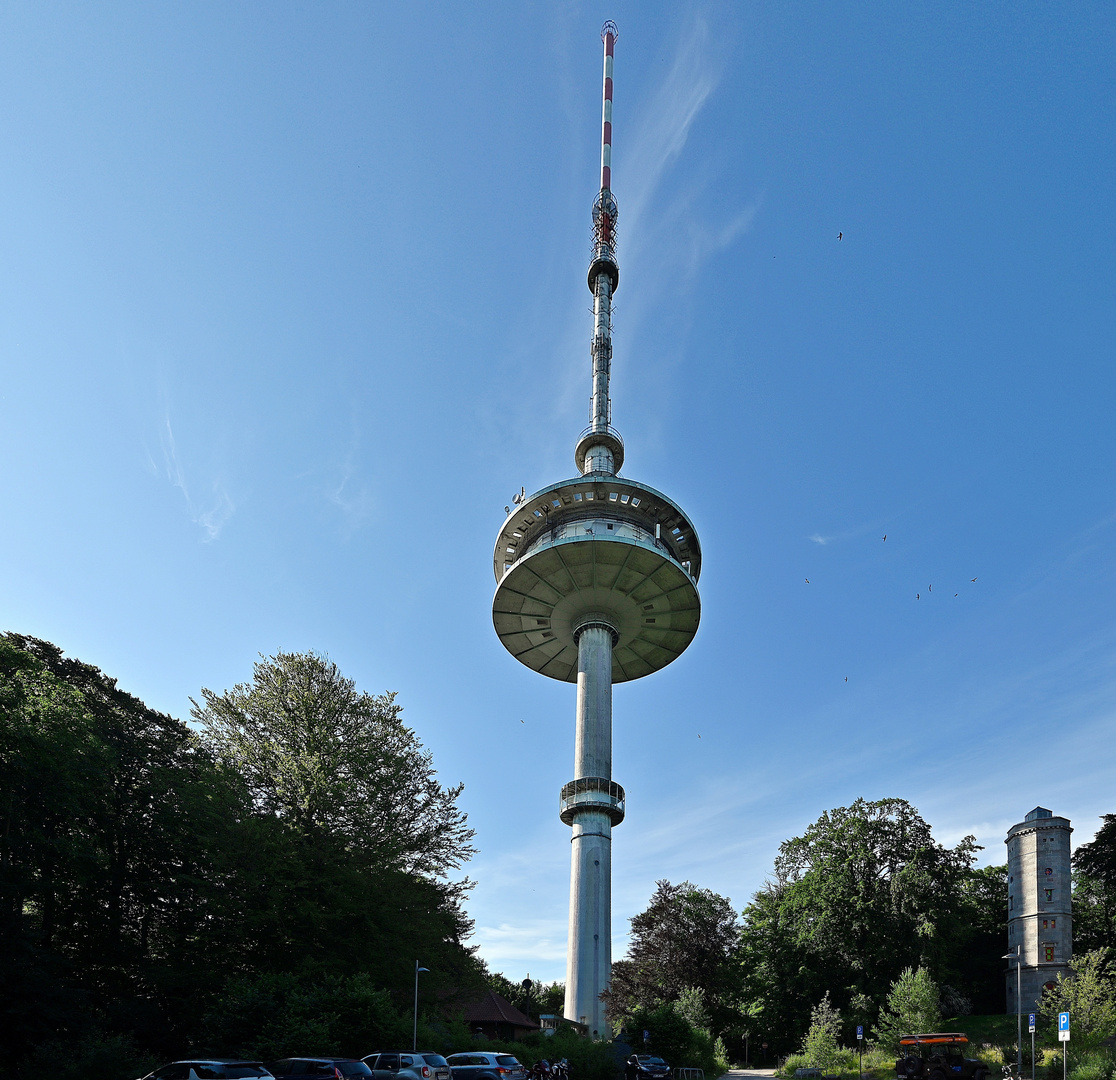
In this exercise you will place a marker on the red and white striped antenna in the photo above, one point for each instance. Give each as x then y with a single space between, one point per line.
608 36
600 449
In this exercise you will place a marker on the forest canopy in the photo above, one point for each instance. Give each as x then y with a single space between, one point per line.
150 872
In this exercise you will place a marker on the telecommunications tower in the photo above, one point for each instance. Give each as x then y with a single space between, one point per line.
597 584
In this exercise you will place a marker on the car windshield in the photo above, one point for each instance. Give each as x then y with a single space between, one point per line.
643 1059
504 1059
354 1068
238 1072
433 1059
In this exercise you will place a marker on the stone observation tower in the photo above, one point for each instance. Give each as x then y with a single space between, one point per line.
597 584
1040 917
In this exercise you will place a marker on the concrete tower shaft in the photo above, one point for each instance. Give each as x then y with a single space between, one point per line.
591 811
596 584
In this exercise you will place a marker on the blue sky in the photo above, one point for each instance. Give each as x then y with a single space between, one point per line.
293 300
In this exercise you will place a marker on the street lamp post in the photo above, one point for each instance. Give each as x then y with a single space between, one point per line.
414 1038
1017 956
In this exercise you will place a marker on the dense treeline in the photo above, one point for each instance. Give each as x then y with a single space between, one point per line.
163 888
262 882
864 899
863 894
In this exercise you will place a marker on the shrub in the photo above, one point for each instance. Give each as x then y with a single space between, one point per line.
912 1006
107 1057
273 1016
820 1044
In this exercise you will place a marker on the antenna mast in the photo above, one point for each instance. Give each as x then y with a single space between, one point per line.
600 448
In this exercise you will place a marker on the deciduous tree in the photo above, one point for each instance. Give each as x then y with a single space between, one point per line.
685 939
331 761
1094 893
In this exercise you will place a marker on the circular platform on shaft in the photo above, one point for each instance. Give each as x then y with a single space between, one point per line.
591 794
597 557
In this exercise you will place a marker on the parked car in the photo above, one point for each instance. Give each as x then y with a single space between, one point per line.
318 1068
939 1056
474 1066
409 1066
646 1067
209 1069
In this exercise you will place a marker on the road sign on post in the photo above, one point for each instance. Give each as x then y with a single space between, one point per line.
1063 1027
1031 1022
859 1032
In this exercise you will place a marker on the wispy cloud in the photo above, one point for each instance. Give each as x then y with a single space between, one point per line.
663 124
351 496
213 513
686 223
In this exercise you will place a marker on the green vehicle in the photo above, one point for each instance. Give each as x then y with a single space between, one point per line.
938 1056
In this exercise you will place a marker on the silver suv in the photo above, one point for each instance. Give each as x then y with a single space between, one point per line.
486 1067
409 1066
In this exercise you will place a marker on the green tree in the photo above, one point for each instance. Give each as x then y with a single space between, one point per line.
108 821
864 893
1094 892
340 861
143 868
329 760
1089 996
533 1000
978 941
820 1046
275 1015
685 939
912 1007
677 1035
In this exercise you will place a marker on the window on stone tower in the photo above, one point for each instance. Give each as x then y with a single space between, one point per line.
1049 895
1011 902
1048 952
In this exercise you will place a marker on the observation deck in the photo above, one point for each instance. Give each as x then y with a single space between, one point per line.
588 794
597 544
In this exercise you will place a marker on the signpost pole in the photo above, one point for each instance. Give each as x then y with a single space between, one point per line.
1031 1029
1063 1037
860 1044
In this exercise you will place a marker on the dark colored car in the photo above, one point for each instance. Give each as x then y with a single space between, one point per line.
646 1067
485 1066
407 1065
318 1068
209 1069
938 1056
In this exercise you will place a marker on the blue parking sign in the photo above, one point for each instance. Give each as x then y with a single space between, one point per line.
859 1032
1063 1021
1031 1022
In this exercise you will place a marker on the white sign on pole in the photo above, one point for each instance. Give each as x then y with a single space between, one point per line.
1063 1027
1031 1023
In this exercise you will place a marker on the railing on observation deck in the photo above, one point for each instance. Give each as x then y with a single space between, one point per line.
591 793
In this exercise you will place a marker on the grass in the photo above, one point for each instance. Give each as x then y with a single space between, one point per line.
995 1030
